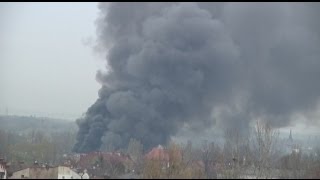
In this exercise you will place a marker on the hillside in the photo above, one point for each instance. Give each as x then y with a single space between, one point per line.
24 124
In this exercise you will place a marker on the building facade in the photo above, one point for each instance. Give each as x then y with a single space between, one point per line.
59 172
3 171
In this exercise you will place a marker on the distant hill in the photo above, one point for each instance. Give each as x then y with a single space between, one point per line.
24 124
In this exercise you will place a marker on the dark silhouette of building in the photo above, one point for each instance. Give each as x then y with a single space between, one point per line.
290 137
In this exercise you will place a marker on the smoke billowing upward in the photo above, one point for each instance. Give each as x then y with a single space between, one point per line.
201 64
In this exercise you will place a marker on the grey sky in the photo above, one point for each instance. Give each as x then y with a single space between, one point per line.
45 67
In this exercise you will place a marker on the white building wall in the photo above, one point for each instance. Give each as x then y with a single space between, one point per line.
85 176
25 173
67 173
3 170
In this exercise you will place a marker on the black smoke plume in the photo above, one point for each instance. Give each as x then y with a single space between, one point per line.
176 64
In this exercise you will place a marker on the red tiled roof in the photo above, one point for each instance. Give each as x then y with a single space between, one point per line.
158 153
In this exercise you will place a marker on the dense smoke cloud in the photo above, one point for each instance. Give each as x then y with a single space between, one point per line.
196 64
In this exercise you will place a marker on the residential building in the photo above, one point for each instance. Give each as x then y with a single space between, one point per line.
3 169
159 154
104 164
46 172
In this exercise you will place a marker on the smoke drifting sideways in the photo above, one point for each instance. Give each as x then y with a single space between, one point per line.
201 64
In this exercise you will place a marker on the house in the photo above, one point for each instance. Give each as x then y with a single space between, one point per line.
159 154
105 164
14 167
46 172
3 169
84 175
65 172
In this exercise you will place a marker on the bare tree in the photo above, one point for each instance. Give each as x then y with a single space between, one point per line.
265 140
187 153
209 158
236 153
114 167
4 143
135 150
175 166
152 169
313 166
181 167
